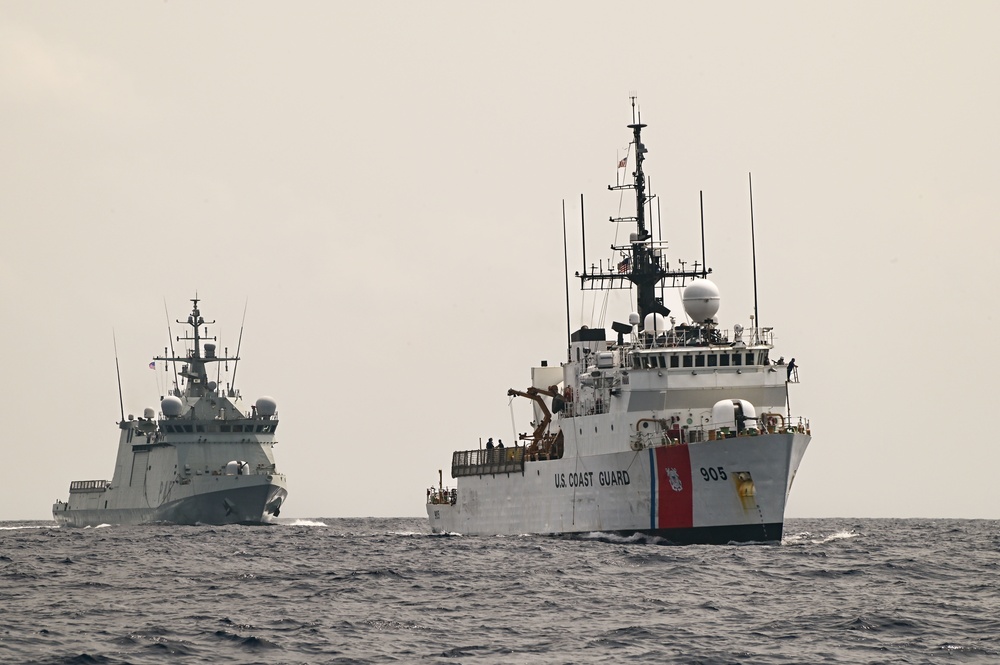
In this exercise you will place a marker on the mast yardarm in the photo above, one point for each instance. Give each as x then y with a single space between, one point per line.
644 264
194 368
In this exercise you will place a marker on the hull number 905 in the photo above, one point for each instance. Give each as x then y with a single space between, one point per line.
713 473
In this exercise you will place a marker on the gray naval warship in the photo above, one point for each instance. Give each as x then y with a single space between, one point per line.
204 459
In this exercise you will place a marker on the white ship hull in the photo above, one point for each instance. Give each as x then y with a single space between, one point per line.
677 429
711 492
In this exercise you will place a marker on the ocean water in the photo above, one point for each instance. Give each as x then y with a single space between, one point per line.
386 591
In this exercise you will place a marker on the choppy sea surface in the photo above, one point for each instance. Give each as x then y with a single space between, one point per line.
386 591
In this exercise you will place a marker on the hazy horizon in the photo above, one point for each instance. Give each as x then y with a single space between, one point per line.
381 186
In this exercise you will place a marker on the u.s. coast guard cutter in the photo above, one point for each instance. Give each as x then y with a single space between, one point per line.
204 459
679 431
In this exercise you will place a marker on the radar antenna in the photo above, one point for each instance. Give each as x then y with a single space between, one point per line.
644 264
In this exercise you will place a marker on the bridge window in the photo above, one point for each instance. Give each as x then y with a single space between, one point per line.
675 361
749 359
713 360
737 359
724 359
699 360
688 362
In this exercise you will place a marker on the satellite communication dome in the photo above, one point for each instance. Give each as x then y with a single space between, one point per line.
148 413
701 300
171 406
633 319
655 323
266 406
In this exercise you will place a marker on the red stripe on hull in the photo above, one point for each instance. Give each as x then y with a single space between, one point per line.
673 488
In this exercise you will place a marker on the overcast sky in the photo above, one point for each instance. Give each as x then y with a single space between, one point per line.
381 185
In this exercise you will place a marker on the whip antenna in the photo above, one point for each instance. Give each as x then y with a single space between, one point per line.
173 356
566 279
121 401
239 342
753 250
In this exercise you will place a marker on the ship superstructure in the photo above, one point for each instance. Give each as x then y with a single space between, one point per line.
680 431
205 458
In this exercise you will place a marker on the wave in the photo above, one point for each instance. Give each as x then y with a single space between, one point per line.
303 522
807 538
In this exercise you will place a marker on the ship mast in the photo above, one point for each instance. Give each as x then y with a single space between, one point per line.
194 368
644 264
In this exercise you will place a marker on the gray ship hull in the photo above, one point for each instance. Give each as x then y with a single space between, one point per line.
205 459
253 504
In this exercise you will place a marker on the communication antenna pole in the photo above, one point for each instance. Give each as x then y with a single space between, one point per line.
566 275
236 364
121 400
583 235
753 249
170 335
701 204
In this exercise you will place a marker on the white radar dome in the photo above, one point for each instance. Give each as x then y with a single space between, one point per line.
266 406
655 323
633 319
171 406
701 300
148 413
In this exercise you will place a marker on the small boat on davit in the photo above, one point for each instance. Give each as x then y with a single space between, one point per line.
204 459
679 431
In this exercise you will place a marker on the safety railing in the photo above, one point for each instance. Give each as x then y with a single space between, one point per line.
89 485
479 462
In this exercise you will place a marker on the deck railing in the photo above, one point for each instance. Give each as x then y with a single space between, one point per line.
89 485
480 462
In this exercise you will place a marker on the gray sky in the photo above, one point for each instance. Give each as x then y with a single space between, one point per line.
381 183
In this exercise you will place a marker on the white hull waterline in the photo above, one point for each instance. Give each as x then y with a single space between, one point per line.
204 459
678 431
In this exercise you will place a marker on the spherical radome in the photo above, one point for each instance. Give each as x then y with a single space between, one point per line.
171 406
701 300
655 323
266 406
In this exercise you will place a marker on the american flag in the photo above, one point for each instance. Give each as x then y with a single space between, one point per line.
623 266
623 162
